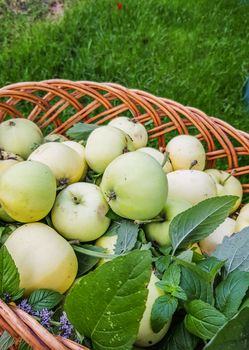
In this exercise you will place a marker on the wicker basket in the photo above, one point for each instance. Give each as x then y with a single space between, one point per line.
56 105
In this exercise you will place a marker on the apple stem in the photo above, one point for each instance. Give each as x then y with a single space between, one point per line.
165 159
228 177
141 222
93 252
111 195
193 163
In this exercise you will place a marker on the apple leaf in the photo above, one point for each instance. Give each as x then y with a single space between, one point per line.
235 251
9 275
107 304
81 131
44 299
162 311
230 292
196 223
127 236
203 320
233 335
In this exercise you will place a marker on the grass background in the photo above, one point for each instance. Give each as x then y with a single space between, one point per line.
195 52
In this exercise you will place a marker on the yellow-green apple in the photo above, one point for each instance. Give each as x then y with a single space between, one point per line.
27 191
227 184
159 231
242 220
135 186
146 336
55 138
133 128
79 212
104 144
66 164
186 152
20 136
208 244
108 242
80 149
159 156
44 258
191 185
5 164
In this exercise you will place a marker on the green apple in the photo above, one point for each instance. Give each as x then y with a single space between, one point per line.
186 152
159 156
44 259
104 144
20 136
191 185
208 244
6 164
226 184
133 128
66 164
80 212
80 149
146 336
243 218
27 191
135 186
159 231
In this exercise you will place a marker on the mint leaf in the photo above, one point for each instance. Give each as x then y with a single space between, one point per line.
195 286
6 341
198 222
235 251
211 265
24 346
44 299
127 236
87 262
9 276
233 335
162 311
172 275
80 131
203 320
230 292
162 263
180 339
107 304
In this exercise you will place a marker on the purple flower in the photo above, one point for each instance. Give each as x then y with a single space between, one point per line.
25 306
66 327
45 317
7 297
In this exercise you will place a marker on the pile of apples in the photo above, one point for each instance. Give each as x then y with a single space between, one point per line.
47 177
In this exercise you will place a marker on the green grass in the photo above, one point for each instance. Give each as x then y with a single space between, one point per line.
195 52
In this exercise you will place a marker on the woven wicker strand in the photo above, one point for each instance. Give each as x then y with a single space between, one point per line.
56 105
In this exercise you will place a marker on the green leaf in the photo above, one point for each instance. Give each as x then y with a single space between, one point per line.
186 255
245 304
195 286
80 131
24 346
44 299
233 335
211 265
179 293
198 222
235 251
87 262
193 267
180 339
162 263
203 320
113 216
6 341
172 275
107 304
162 311
18 294
127 236
9 275
230 292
